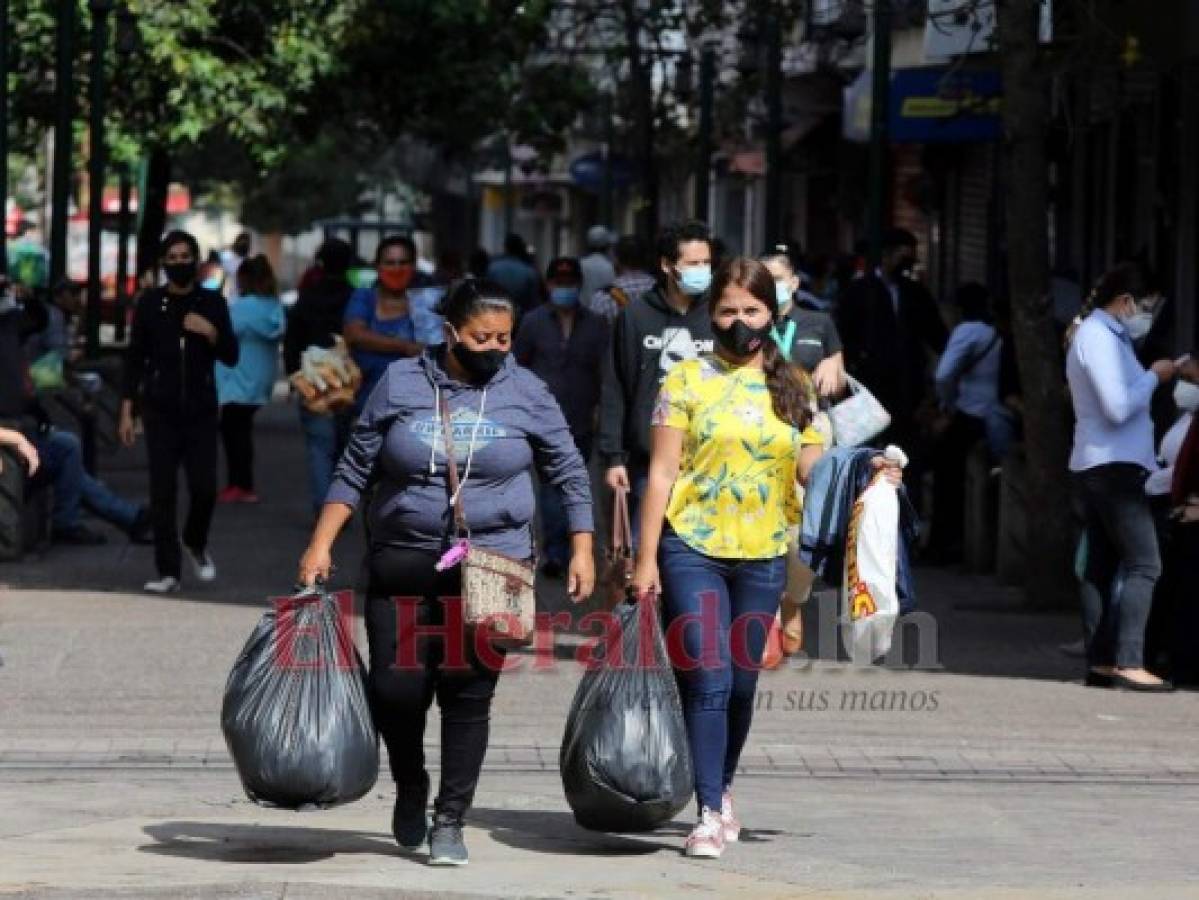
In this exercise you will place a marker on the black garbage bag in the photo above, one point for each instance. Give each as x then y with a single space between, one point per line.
624 759
295 714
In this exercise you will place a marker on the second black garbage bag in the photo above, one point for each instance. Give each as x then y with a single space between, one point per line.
295 715
624 759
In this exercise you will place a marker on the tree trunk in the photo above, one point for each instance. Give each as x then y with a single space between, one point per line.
1046 424
153 210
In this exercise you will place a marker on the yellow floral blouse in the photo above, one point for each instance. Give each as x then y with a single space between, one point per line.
735 495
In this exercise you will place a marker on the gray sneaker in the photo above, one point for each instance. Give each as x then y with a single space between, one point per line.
446 847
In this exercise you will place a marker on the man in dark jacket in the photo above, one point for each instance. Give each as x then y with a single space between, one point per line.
890 327
564 344
664 326
314 321
179 333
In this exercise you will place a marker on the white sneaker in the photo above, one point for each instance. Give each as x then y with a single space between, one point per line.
202 564
706 840
168 584
728 819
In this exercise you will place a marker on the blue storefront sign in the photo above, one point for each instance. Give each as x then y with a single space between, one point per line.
587 171
942 105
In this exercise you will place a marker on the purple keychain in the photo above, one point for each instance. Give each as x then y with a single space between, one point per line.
454 555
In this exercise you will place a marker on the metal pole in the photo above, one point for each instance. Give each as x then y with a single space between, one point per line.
703 169
774 128
508 211
123 252
609 141
880 100
95 206
4 135
64 89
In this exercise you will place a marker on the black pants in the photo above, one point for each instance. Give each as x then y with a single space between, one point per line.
237 434
949 483
1184 621
171 442
408 669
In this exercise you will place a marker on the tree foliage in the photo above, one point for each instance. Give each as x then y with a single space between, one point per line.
240 67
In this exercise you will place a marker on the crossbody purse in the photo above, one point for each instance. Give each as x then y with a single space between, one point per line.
498 593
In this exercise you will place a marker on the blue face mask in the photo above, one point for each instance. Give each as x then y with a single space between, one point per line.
695 280
564 296
782 292
212 284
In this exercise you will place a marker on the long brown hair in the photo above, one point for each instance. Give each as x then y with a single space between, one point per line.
255 276
787 383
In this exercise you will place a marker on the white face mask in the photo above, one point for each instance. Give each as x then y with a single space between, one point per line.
1186 396
1138 325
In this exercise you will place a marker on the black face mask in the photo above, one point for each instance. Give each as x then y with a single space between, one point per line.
740 339
479 364
180 274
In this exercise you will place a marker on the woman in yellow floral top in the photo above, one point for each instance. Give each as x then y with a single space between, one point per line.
732 437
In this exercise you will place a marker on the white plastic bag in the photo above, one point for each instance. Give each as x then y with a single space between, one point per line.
870 598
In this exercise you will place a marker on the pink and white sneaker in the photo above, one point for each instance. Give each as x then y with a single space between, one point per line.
706 840
728 819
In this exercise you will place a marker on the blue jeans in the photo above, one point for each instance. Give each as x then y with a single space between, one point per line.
74 489
325 438
1121 540
555 527
718 613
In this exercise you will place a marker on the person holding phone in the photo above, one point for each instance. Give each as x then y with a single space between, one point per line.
1112 457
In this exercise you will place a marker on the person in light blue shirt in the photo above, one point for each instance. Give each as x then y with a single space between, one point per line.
967 381
258 323
1110 461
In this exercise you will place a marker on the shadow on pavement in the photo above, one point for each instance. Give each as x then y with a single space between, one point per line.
557 833
266 844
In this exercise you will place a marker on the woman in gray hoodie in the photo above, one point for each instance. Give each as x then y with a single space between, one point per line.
504 422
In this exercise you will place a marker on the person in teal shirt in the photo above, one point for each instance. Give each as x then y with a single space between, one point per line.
258 323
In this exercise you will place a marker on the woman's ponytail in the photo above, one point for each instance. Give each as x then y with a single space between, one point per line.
789 390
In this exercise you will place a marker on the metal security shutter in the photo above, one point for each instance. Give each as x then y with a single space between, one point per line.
974 215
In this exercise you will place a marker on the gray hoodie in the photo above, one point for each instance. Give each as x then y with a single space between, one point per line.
512 422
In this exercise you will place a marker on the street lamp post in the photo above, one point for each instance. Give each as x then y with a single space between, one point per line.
64 102
95 207
879 103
